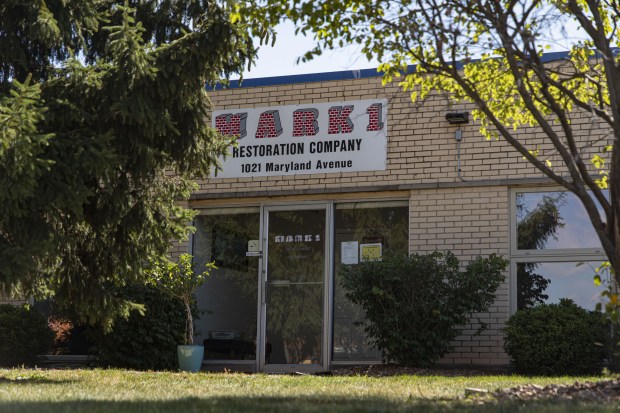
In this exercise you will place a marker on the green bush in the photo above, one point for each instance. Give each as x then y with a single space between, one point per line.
556 339
143 342
24 334
610 308
416 305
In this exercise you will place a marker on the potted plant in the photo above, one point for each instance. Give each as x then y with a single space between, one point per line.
179 280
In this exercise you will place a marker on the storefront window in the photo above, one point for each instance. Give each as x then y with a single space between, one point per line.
548 282
362 229
555 250
227 300
553 220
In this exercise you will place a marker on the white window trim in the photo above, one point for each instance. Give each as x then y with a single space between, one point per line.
543 256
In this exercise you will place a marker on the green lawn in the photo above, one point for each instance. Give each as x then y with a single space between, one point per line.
120 391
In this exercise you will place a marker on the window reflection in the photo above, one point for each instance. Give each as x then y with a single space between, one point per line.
358 225
553 220
548 282
227 299
296 270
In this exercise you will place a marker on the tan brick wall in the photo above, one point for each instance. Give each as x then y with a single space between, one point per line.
421 144
179 247
469 218
7 299
469 222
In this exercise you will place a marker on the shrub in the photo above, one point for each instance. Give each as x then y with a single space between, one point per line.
24 334
556 339
179 280
143 342
610 307
70 337
70 334
415 305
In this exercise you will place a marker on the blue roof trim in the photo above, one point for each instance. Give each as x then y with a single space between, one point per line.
550 57
305 78
338 75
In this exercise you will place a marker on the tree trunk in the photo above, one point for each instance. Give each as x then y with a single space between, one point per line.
189 325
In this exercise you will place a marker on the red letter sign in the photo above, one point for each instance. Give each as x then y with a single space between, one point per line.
375 114
269 125
304 122
339 121
229 124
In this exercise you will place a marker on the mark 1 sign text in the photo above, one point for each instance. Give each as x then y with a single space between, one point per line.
305 139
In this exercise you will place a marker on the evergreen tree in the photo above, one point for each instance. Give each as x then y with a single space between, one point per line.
103 129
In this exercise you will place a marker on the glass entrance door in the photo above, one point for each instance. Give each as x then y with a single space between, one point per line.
294 292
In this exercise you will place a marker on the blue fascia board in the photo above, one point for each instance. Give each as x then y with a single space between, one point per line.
305 78
338 75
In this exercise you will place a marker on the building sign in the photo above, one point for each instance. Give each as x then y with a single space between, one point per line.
305 139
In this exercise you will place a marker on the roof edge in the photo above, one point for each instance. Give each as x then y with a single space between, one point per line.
334 76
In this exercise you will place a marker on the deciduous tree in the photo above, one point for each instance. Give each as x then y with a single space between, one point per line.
491 54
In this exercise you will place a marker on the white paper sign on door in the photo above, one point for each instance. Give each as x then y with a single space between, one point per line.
348 252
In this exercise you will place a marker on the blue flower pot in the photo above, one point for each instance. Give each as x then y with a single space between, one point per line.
190 357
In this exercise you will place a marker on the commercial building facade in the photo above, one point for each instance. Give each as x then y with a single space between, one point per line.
335 168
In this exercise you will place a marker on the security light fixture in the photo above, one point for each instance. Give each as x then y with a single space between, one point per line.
457 118
458 135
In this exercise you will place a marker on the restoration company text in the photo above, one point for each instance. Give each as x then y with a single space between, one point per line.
304 139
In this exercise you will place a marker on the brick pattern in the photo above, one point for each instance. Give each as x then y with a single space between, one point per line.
305 123
374 117
421 144
228 124
268 125
467 220
178 248
470 222
7 299
339 121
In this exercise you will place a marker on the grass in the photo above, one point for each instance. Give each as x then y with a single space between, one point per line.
121 391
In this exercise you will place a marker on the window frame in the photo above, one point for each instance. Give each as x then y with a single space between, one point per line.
229 209
401 200
542 256
363 203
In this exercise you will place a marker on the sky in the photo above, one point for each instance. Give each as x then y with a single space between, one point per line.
280 59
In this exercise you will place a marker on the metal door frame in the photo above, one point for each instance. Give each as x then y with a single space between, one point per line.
327 290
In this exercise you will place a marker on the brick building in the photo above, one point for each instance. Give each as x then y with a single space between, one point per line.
335 168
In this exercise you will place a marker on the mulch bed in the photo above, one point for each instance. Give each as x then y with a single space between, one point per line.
604 391
600 391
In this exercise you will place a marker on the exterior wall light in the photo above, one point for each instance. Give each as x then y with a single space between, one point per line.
457 118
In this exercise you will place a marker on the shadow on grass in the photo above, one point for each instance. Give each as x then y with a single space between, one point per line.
31 380
295 404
